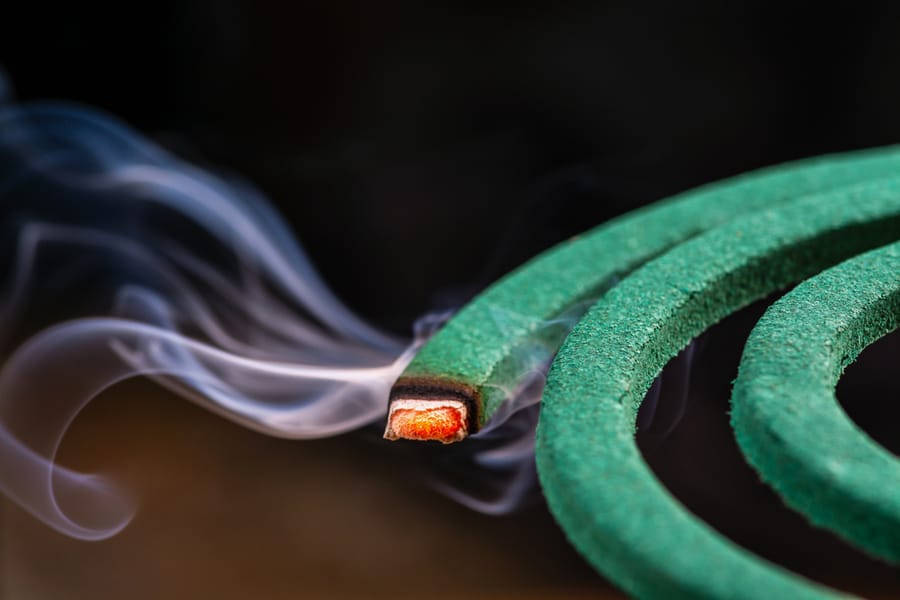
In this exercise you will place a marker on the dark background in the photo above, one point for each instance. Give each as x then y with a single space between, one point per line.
420 151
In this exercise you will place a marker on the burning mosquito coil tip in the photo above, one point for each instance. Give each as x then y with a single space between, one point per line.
427 410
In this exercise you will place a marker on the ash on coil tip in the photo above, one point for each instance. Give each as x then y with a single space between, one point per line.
426 408
445 421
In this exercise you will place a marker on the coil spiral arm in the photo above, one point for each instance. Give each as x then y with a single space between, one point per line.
663 275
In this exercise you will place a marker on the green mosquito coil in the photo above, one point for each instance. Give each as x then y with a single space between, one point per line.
786 417
659 277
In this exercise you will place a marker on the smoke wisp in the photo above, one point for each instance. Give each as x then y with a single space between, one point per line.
200 284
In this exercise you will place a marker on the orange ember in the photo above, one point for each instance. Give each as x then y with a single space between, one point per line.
437 423
440 423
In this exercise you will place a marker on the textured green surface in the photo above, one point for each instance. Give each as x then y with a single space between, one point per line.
497 336
600 490
785 414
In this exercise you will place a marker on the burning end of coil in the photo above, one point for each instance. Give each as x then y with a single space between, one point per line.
443 421
432 409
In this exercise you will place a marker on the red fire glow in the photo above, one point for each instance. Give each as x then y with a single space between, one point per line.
441 423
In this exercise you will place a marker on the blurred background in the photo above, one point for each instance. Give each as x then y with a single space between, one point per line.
419 152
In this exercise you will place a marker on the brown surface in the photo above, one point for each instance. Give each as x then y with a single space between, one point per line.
228 513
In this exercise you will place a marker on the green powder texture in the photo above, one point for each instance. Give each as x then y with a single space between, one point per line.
504 332
611 506
784 411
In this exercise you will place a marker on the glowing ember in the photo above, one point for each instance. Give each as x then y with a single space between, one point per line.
439 420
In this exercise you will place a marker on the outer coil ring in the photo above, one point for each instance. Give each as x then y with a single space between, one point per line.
599 488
